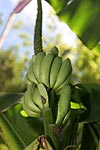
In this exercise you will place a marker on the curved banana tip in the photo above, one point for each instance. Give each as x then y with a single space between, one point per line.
54 50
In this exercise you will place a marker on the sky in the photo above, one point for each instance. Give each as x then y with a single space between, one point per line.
28 16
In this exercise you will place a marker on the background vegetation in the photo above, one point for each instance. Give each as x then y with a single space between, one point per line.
86 64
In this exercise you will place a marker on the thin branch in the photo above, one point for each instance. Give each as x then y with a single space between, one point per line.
20 6
6 29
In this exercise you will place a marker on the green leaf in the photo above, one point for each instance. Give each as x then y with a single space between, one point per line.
97 48
27 128
77 106
3 147
69 130
82 16
9 134
89 87
90 97
7 100
90 139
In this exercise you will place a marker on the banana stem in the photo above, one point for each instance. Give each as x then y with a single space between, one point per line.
55 135
9 135
38 29
52 131
47 119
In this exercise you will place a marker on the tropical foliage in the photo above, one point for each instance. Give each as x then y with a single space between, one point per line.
81 130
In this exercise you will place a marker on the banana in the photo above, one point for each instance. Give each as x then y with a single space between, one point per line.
44 95
37 64
29 103
54 50
55 70
28 111
37 98
59 88
67 116
33 58
27 81
64 72
30 74
45 69
27 99
63 104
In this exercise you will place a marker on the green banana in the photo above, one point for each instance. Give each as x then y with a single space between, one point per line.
28 111
67 116
29 103
64 72
44 95
54 50
37 64
59 88
45 69
33 58
27 81
63 104
55 70
37 99
30 74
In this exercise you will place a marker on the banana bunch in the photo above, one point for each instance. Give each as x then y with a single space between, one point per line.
47 71
35 100
50 70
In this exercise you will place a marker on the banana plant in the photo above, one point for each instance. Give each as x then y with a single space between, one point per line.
55 114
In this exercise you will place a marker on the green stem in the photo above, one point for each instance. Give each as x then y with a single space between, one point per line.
55 136
52 131
47 119
9 135
38 29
